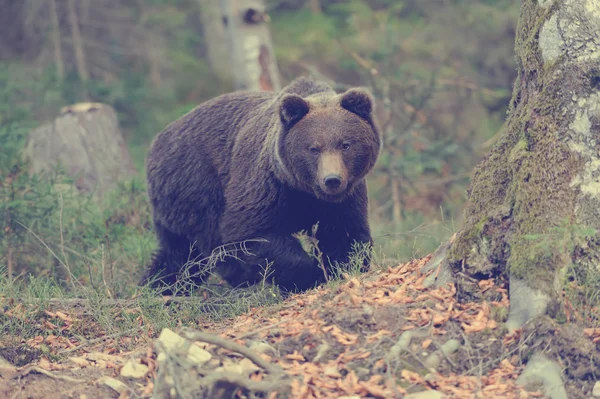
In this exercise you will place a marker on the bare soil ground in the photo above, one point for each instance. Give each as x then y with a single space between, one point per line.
372 336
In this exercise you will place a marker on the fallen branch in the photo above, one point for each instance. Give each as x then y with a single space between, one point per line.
97 340
265 328
234 347
35 369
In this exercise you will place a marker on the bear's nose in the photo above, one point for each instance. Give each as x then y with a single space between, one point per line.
333 181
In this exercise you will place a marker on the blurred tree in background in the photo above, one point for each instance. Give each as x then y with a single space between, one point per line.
442 72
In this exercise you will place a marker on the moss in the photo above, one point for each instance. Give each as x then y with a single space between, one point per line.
522 188
518 150
499 314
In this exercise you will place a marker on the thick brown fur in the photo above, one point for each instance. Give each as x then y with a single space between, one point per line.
249 165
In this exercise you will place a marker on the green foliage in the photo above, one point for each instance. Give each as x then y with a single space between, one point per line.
442 80
440 94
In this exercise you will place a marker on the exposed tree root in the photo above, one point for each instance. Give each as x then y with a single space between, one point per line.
189 379
35 369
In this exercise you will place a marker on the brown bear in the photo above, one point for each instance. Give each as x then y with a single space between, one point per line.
263 165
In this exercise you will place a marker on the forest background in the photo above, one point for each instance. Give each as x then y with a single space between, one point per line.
442 72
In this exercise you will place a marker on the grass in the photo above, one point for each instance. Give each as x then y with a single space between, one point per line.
102 302
84 256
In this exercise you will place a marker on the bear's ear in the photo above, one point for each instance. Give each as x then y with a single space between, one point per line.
291 109
359 102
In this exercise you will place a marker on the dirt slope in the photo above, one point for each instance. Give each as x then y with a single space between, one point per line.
379 335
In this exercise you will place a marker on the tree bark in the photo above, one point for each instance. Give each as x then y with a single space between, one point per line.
56 42
315 6
80 61
252 57
534 201
215 35
85 139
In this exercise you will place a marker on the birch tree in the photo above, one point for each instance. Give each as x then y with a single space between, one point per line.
252 61
534 201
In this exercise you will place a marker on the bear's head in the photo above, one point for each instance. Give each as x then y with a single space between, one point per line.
328 142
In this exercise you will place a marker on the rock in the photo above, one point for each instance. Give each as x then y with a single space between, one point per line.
349 397
401 345
322 352
432 394
540 370
133 369
332 371
450 346
248 366
113 384
81 362
262 347
177 346
596 390
5 364
434 360
526 304
231 368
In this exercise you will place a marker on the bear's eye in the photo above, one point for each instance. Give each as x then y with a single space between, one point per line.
314 150
345 146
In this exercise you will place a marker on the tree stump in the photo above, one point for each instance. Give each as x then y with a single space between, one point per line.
86 141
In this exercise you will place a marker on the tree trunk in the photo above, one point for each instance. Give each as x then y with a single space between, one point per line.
85 139
534 201
252 56
315 6
80 61
215 35
56 42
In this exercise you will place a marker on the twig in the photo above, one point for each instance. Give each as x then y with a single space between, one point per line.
265 328
316 251
491 362
97 340
234 347
62 241
35 369
9 256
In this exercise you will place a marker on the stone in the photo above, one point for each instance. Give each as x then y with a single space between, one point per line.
133 369
596 390
177 345
114 384
432 394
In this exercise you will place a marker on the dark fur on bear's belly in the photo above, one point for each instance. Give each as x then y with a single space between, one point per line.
236 169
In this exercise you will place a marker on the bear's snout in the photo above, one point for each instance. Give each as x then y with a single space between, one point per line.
333 182
332 176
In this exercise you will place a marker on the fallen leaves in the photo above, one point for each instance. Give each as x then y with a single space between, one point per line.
338 341
593 333
342 337
400 291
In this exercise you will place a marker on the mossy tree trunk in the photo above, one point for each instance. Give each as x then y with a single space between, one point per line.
534 201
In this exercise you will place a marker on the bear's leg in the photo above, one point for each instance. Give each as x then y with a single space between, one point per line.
174 253
281 258
345 247
348 225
